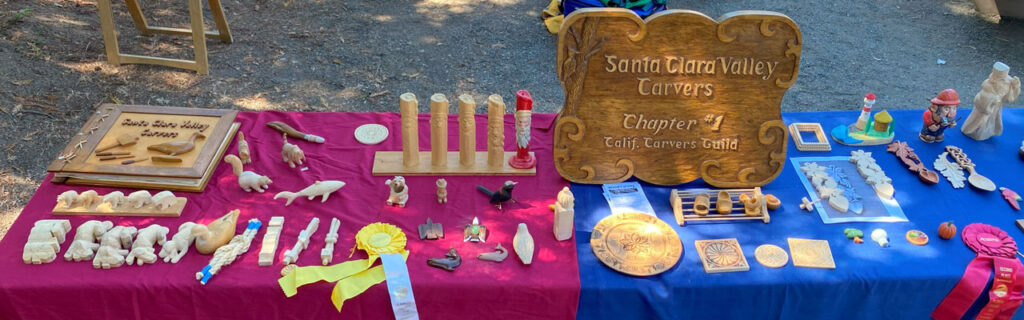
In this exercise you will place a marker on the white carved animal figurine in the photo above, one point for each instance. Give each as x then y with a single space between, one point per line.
522 243
442 191
84 246
88 198
44 241
142 249
115 199
399 191
291 153
112 247
248 180
139 198
319 188
173 250
879 235
67 198
164 199
243 149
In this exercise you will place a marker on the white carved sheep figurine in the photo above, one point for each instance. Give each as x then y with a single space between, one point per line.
164 199
67 198
88 198
139 198
115 199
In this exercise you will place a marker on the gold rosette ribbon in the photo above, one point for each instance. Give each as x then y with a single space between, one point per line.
355 276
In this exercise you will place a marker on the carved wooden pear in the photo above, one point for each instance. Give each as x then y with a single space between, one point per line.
177 147
216 234
523 244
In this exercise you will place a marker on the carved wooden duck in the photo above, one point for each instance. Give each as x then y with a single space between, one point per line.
177 147
215 234
449 262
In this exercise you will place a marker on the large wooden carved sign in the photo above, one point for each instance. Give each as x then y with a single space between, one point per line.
674 98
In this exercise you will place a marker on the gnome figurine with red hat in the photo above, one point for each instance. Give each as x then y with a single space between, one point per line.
940 115
524 113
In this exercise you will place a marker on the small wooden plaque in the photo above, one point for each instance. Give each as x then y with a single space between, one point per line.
124 210
389 163
675 97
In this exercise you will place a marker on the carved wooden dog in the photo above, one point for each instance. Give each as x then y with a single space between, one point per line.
399 191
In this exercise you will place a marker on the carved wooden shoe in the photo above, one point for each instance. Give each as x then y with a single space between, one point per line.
724 203
701 204
523 244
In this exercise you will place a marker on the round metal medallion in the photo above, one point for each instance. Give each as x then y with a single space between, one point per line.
371 133
772 256
636 244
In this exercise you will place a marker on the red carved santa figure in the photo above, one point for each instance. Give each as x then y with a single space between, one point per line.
524 112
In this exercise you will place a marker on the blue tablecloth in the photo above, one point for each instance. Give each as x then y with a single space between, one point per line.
903 281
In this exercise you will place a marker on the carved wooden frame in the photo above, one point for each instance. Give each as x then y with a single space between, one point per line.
821 145
585 33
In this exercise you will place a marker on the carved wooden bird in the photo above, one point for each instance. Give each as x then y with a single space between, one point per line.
501 195
174 148
1012 197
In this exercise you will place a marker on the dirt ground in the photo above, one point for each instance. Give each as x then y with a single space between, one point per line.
331 55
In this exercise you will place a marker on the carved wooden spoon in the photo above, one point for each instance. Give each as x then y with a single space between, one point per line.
976 180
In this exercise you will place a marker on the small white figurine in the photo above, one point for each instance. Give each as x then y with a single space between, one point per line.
291 153
327 253
44 241
564 214
115 199
292 255
68 198
173 250
164 199
84 246
442 190
142 248
248 180
227 253
139 198
270 238
880 236
522 242
399 191
319 188
88 198
112 247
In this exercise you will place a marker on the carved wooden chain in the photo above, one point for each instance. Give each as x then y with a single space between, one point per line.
959 156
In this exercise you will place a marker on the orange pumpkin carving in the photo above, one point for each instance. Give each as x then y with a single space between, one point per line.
947 230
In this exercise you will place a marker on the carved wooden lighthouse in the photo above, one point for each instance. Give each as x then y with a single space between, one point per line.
466 161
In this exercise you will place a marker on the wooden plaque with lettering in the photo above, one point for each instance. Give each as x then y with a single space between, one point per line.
675 97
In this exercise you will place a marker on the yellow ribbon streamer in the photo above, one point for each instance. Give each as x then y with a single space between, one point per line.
356 276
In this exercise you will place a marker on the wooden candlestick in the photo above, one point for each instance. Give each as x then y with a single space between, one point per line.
495 131
467 131
410 130
438 130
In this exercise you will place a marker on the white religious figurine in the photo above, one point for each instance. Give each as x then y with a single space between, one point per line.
524 114
564 214
986 120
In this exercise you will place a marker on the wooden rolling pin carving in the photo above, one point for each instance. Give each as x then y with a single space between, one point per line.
291 132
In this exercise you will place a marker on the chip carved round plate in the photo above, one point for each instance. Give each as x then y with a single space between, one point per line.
771 256
371 133
636 244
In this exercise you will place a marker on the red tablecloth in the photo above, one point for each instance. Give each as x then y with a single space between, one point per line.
548 289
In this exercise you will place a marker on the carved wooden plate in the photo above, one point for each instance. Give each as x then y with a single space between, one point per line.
371 133
772 256
636 244
673 98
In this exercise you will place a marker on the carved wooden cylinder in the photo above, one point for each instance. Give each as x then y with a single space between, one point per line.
495 131
438 130
467 131
410 131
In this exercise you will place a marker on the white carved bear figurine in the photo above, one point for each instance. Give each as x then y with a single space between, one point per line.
399 191
139 198
88 199
115 199
112 247
142 248
164 199
84 246
67 198
173 250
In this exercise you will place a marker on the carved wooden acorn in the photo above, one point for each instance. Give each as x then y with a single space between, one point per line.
947 230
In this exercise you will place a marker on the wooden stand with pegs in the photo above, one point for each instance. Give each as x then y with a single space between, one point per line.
682 205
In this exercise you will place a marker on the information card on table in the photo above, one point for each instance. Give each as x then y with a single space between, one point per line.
627 197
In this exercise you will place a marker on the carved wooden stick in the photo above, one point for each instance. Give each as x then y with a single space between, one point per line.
495 131
410 131
438 130
467 131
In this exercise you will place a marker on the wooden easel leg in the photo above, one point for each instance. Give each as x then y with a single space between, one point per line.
109 34
195 9
140 20
223 32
